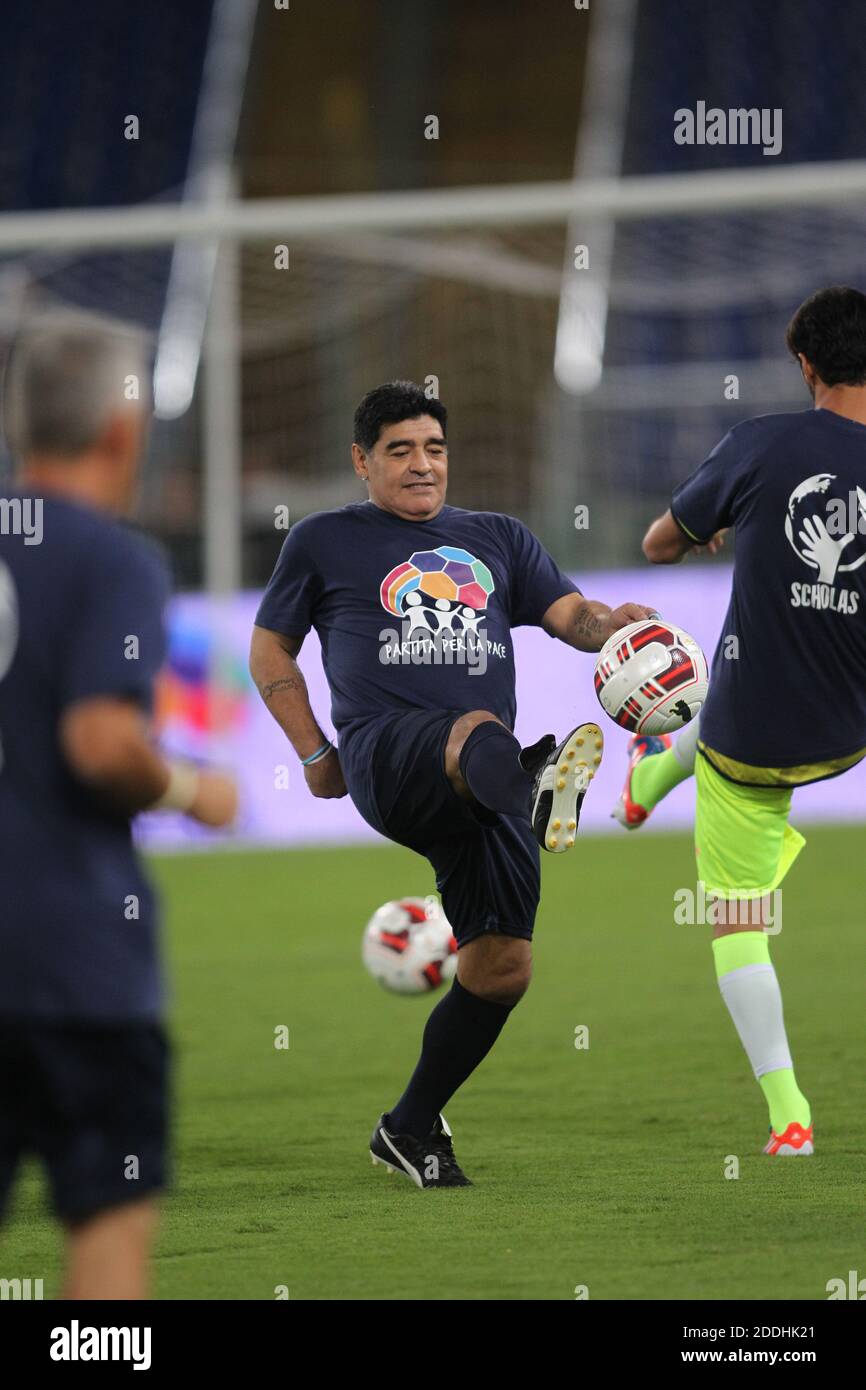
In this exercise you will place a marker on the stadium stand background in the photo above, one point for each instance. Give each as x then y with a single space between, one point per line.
477 308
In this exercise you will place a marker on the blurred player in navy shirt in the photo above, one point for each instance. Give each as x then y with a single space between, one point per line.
83 1055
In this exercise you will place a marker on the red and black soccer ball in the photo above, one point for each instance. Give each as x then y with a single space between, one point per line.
651 677
409 946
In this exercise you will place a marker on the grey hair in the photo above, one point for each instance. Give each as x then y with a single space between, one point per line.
66 374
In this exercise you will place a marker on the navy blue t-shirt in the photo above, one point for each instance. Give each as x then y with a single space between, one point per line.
411 614
81 615
794 486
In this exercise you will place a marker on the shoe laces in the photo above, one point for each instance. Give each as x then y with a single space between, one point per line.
443 1149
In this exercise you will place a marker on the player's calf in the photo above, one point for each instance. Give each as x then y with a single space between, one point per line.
108 1253
546 782
463 743
496 967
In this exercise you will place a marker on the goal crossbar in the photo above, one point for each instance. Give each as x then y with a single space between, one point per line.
840 182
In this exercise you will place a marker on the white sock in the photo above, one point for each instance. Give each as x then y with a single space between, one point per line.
754 1002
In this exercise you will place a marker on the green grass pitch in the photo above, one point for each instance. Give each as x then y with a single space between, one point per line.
602 1167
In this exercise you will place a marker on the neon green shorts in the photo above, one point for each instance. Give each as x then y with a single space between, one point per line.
743 843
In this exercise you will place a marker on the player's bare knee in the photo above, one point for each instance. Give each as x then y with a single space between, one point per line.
507 989
743 914
497 968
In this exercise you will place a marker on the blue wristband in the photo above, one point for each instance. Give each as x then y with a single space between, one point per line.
320 753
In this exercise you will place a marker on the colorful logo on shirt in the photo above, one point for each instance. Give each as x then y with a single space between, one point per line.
828 533
445 589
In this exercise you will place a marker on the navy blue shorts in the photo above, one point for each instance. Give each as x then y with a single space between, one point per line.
486 864
88 1101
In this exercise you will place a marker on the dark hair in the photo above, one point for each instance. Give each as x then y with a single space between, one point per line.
388 405
830 331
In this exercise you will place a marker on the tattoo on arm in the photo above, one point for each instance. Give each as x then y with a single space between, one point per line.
284 683
588 626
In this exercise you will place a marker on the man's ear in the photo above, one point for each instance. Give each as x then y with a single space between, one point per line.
359 462
121 435
807 369
114 435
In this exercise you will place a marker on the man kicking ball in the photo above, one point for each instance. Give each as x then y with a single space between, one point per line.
791 708
414 602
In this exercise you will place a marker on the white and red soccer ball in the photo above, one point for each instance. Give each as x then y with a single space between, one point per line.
651 677
409 946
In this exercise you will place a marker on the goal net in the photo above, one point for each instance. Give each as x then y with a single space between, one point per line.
586 360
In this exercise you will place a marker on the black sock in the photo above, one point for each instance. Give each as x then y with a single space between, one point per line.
459 1034
488 762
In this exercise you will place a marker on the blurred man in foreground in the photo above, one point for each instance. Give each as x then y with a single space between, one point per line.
83 1055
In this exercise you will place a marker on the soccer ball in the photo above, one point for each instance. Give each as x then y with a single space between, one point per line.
651 677
409 946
